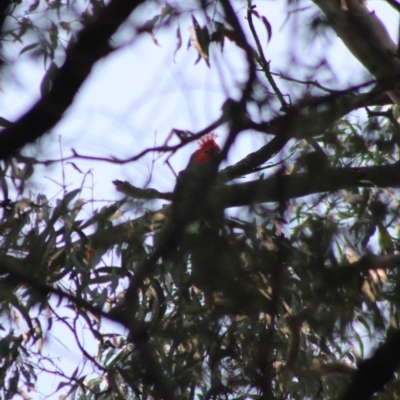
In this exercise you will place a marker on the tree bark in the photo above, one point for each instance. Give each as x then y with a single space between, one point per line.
367 38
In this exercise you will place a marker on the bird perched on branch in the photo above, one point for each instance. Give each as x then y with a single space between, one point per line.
195 180
215 258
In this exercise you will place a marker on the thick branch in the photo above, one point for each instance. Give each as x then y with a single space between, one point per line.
303 184
309 118
252 161
92 44
138 193
379 262
375 372
253 192
381 100
314 115
367 38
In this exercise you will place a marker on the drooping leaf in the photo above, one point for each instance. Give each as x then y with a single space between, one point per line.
385 240
265 21
47 81
218 35
200 40
29 47
34 5
66 26
75 167
178 41
268 27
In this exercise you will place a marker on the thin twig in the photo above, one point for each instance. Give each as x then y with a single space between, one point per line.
310 83
265 63
161 149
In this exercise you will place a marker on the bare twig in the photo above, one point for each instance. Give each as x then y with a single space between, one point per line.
138 193
308 83
232 19
160 149
265 63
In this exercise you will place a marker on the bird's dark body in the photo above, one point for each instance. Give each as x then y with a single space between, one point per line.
216 264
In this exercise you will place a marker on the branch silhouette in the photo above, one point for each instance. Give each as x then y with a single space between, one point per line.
92 45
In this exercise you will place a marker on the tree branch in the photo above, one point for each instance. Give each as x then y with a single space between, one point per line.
389 261
16 267
303 184
253 192
375 372
259 191
138 193
263 61
366 37
313 115
92 44
302 121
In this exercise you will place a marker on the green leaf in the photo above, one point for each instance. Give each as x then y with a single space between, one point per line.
29 47
70 196
200 40
385 240
268 27
48 78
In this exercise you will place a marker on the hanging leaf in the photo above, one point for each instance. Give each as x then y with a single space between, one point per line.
66 26
178 41
53 33
385 240
200 40
268 27
69 196
266 23
149 26
34 6
223 32
44 209
75 167
218 36
29 47
47 81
